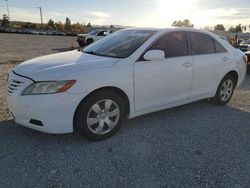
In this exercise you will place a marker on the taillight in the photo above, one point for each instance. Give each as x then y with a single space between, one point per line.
245 58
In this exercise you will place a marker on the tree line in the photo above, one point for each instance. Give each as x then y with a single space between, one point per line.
50 25
77 27
237 29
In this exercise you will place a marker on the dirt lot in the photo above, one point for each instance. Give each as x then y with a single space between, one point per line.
195 145
15 48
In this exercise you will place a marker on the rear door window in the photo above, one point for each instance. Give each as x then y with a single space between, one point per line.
201 43
218 47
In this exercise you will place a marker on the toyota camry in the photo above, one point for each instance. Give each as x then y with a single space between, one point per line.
124 75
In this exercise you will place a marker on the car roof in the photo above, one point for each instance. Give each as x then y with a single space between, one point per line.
160 31
163 30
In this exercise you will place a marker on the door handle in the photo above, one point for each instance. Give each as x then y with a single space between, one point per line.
187 64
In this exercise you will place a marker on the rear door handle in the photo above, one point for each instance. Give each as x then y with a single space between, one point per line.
187 64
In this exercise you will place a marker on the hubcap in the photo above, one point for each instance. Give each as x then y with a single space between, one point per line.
103 116
226 90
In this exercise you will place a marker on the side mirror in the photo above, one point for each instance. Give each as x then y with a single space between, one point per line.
153 55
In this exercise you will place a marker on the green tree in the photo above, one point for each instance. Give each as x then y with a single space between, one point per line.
5 21
51 24
89 25
67 24
236 29
219 27
184 23
29 25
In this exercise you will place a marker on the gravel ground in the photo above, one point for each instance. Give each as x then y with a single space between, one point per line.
195 145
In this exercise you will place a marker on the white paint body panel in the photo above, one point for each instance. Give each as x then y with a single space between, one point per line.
149 86
164 81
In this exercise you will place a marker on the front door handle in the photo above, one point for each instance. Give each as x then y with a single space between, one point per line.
187 64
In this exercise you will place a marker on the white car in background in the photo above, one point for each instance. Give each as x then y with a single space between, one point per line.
124 75
95 35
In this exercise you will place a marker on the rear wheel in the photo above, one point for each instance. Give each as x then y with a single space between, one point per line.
100 116
225 90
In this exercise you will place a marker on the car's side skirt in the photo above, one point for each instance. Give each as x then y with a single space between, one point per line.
170 105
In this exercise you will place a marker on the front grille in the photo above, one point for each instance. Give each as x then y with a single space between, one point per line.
13 86
16 83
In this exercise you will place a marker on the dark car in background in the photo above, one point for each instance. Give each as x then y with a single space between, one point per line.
86 39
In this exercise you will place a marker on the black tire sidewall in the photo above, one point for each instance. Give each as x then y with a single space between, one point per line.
83 109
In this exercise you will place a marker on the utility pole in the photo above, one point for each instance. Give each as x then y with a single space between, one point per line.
41 15
8 8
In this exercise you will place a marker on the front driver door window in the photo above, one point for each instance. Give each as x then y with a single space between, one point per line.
165 81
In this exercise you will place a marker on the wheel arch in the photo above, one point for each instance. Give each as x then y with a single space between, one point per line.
235 75
232 72
116 90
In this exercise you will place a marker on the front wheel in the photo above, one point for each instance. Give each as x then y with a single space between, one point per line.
100 116
225 90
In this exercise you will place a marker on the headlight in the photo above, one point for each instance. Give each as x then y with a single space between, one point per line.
48 87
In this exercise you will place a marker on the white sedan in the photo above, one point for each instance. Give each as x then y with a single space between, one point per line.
124 75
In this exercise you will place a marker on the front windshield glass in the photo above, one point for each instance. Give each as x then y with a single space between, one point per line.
120 44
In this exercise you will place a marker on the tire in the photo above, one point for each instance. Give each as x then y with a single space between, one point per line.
100 115
225 90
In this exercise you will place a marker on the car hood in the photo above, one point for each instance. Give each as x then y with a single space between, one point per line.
52 67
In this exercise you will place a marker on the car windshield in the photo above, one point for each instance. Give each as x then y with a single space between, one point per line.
120 44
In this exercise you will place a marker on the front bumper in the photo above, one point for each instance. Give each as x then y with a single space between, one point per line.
55 112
